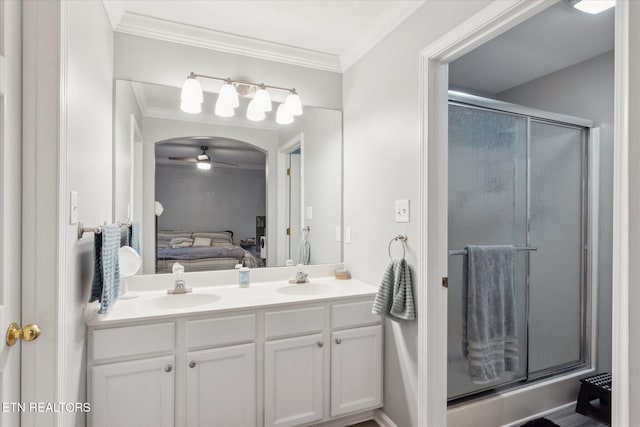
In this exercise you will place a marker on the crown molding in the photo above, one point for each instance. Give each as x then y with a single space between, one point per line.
394 15
160 29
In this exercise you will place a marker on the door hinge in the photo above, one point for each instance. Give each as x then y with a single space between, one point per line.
445 282
288 171
288 231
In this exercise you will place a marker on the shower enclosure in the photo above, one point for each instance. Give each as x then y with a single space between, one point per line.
518 176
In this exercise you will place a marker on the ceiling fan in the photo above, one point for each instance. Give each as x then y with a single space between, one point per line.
203 160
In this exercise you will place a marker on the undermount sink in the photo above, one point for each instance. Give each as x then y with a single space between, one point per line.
307 289
179 301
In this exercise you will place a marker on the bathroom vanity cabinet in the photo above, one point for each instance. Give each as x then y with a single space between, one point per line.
290 365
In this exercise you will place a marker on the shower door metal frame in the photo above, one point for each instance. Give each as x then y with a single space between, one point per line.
545 117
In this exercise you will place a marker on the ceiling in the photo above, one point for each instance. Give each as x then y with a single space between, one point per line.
554 39
220 149
329 35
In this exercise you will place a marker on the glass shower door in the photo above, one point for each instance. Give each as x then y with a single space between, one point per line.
557 228
487 206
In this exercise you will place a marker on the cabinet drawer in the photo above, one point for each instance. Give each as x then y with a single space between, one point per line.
221 331
353 314
294 322
133 340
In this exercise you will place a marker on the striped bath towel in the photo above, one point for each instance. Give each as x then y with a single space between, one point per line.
106 272
395 294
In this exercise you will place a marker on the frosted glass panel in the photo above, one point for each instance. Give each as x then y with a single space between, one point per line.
487 206
556 229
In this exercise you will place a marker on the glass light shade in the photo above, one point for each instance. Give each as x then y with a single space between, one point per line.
594 6
283 115
228 96
264 99
254 111
204 164
223 110
191 91
294 105
190 107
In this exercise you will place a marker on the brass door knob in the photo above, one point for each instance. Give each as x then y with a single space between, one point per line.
28 333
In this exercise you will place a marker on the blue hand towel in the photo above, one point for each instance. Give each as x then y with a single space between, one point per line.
489 335
395 294
134 238
106 272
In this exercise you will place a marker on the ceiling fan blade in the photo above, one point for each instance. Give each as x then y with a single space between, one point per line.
184 159
225 163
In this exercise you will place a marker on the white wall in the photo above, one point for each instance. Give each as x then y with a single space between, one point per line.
123 148
322 158
381 165
215 200
586 90
155 130
154 61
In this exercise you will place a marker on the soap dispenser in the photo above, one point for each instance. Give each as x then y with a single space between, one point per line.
179 282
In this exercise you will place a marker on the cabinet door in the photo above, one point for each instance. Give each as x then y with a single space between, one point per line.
136 393
221 387
293 381
356 370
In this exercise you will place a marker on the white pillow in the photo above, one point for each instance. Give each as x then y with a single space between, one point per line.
201 241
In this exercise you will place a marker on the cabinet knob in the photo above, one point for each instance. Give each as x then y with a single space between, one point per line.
338 341
320 344
168 368
192 364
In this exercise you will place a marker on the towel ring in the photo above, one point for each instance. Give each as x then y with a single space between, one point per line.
402 238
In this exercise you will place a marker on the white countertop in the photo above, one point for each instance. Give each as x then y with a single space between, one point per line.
230 297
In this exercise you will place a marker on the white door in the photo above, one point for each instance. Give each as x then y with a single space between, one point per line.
295 204
136 393
10 202
293 381
221 387
356 370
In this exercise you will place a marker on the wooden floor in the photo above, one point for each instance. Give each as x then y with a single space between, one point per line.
569 418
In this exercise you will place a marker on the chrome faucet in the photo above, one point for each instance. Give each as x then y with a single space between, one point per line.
179 284
301 276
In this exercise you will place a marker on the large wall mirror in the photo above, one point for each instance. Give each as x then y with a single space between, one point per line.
272 196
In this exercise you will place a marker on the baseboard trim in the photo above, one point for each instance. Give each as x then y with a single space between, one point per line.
540 415
347 420
383 419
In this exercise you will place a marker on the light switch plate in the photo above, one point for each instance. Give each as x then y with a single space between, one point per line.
338 234
347 234
308 213
402 210
73 207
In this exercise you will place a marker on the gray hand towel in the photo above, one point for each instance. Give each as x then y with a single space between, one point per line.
395 294
489 336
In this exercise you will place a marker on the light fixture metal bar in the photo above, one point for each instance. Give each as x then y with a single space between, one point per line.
228 80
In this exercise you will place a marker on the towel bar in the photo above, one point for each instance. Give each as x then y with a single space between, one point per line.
517 248
82 230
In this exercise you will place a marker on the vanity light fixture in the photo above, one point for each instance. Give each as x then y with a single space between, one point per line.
228 99
283 115
191 96
592 6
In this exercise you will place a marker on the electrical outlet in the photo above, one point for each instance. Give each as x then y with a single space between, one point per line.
308 213
402 210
